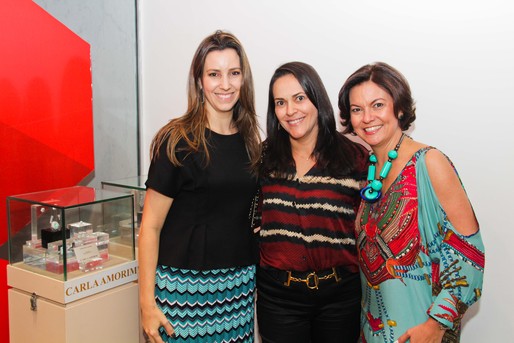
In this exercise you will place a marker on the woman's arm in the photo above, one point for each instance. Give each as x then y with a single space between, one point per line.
155 211
457 278
450 193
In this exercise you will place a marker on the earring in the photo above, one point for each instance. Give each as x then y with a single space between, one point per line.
202 97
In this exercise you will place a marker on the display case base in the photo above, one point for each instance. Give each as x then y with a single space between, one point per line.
110 316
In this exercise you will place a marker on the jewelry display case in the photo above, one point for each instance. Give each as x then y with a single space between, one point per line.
63 263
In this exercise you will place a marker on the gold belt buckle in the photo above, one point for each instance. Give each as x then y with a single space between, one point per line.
315 279
312 279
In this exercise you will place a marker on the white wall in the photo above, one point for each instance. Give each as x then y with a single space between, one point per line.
457 55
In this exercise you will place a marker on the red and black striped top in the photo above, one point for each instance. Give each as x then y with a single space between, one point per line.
308 222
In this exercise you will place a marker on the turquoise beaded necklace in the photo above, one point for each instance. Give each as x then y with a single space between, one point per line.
373 191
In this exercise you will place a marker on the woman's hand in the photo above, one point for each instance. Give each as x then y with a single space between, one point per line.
155 211
428 332
151 320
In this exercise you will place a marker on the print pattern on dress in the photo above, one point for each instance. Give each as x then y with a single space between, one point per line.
207 306
435 271
388 238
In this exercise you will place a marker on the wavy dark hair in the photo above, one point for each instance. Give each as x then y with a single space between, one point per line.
191 126
391 81
333 151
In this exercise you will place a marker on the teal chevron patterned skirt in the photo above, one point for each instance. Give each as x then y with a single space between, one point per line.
207 306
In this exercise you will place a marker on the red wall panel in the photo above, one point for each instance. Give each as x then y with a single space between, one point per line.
46 125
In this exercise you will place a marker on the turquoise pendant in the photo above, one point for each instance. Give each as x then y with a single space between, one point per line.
368 194
373 191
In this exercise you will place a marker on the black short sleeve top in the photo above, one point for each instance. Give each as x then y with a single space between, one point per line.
208 225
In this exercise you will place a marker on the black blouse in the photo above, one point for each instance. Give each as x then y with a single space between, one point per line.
207 226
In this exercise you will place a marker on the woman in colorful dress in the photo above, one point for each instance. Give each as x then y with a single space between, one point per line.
420 251
308 281
197 252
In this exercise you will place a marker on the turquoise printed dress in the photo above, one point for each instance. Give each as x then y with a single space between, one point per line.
414 264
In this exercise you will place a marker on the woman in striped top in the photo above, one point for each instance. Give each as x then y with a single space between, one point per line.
308 282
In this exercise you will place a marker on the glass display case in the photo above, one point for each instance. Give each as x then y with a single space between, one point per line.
135 186
67 265
65 233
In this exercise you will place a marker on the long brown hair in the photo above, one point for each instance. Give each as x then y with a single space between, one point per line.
191 126
334 152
